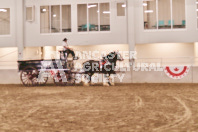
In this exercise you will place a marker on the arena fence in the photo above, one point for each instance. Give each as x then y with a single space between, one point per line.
9 71
176 61
166 76
8 65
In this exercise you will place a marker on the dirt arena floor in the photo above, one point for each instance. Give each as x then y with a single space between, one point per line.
121 108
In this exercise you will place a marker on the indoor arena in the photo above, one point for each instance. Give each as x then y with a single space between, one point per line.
98 65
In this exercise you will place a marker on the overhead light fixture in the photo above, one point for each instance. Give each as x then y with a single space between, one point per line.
144 4
196 2
3 10
124 5
148 0
106 12
90 6
44 10
54 15
196 9
148 11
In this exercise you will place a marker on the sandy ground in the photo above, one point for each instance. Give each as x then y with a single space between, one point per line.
122 108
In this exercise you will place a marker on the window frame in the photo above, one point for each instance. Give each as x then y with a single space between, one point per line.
50 21
125 10
10 24
33 13
99 31
61 18
109 17
157 17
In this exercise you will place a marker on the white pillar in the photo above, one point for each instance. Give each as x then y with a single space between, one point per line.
20 27
131 30
196 49
131 24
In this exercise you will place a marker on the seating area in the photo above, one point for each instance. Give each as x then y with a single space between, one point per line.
162 24
93 27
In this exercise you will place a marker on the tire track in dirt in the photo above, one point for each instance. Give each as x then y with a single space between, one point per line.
16 123
3 95
87 105
194 100
182 120
138 103
3 105
30 112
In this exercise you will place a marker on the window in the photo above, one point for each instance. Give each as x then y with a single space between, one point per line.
93 17
66 18
150 16
55 19
104 17
178 14
121 9
82 17
4 21
164 14
45 19
30 13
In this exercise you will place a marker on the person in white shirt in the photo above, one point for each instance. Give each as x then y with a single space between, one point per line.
68 50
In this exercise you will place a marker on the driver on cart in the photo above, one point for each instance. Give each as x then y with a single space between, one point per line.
67 50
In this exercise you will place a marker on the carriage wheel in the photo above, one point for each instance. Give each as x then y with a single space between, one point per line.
64 79
30 77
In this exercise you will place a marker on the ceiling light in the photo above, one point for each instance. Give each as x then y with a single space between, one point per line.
123 5
44 10
148 0
148 11
144 4
3 10
90 6
106 12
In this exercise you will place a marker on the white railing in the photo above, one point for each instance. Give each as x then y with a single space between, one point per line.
8 65
169 61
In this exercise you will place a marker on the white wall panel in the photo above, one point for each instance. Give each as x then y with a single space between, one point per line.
117 35
118 32
164 50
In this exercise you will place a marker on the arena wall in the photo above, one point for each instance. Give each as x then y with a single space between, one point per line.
12 76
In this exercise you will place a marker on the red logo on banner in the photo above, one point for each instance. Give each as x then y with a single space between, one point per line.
177 72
